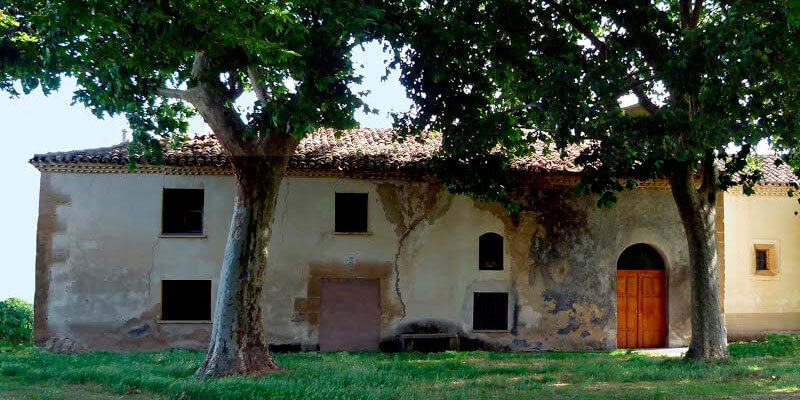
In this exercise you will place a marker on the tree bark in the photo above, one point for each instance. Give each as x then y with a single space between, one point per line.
697 209
238 345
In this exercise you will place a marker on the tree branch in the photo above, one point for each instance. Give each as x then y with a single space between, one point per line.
210 98
695 17
199 65
710 175
261 93
175 93
685 6
580 27
631 83
235 88
644 100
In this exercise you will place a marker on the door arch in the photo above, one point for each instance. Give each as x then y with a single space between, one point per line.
641 298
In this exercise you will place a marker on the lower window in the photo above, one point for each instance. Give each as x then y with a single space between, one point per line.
490 311
186 300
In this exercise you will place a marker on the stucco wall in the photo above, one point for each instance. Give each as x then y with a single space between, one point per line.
100 260
757 304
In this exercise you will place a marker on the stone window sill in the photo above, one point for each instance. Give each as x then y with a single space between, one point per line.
183 235
764 277
353 233
161 321
491 331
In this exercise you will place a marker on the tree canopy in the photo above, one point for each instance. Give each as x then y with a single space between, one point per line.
713 78
140 58
498 78
158 62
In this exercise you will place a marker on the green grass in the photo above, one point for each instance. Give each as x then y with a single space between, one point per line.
768 370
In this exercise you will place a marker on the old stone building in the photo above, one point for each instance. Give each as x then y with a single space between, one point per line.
367 247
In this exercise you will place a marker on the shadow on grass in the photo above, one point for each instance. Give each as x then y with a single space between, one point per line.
753 368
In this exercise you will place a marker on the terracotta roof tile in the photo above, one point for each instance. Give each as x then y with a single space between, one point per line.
777 175
364 149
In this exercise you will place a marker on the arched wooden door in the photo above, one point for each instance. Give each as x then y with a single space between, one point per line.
641 299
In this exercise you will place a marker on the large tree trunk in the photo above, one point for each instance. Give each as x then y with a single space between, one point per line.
697 209
238 345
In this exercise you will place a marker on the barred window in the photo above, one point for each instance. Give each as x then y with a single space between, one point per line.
490 311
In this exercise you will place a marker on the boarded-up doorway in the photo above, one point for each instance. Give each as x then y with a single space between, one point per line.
349 314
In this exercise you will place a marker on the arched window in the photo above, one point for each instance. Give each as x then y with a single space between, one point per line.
490 251
640 256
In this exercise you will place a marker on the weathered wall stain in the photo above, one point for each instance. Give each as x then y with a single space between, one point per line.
560 254
406 205
48 225
558 302
563 251
141 332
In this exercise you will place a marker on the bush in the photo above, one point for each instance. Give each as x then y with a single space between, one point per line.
16 321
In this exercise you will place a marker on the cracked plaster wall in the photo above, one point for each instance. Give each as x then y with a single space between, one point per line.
102 253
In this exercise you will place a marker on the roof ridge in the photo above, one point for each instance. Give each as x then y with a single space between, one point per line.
355 150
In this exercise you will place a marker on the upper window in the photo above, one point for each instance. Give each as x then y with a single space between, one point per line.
186 300
351 212
182 212
490 251
765 262
490 311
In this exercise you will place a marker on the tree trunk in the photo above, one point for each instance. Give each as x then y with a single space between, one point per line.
238 345
697 209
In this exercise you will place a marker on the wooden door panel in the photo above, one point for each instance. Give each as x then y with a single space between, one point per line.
652 284
627 306
651 339
633 339
641 309
630 313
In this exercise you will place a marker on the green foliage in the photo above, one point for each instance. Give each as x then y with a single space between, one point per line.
16 321
769 367
500 76
123 55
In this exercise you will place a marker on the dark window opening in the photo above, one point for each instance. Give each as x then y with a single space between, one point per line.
490 312
761 260
182 212
186 300
640 257
490 251
351 212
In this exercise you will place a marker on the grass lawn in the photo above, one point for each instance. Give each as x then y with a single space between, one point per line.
767 370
